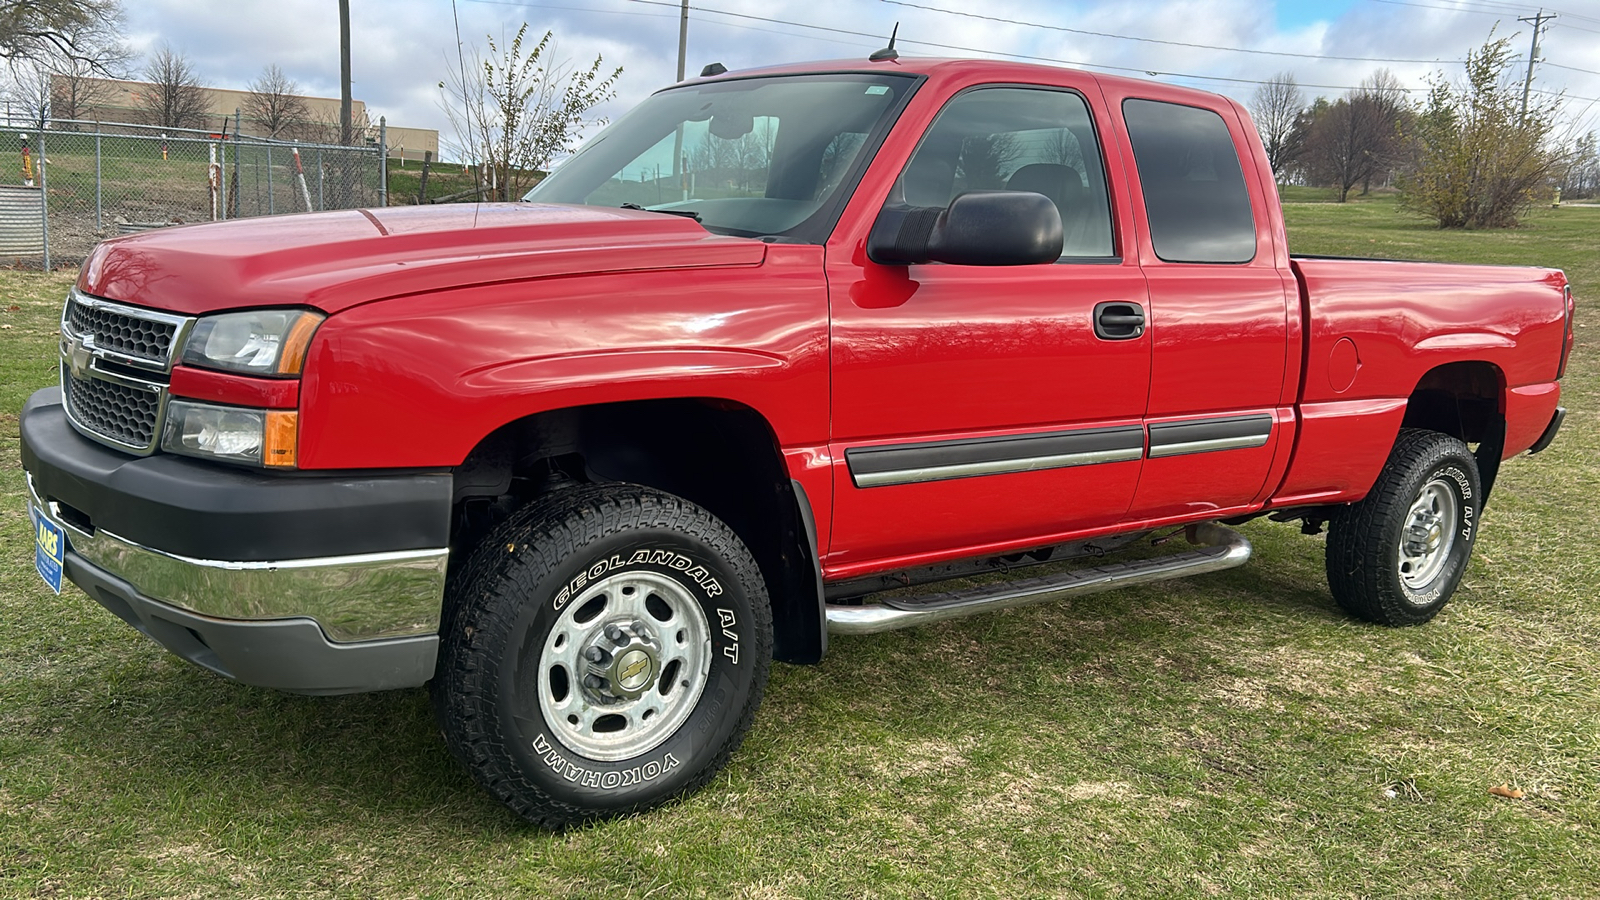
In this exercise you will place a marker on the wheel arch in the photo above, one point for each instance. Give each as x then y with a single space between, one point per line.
1466 400
717 453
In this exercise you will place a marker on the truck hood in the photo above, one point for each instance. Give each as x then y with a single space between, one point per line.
334 260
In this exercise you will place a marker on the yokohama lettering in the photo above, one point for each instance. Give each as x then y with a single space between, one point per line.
668 559
590 778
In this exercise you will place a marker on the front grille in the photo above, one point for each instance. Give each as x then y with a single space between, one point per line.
117 412
121 332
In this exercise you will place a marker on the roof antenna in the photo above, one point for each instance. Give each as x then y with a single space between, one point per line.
888 52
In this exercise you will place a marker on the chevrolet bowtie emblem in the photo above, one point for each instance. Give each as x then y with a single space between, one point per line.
78 358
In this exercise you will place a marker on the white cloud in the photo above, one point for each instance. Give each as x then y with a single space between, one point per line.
401 49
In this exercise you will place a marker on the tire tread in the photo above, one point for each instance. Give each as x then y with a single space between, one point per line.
487 595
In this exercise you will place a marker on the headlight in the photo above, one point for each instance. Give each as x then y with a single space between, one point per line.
265 342
257 437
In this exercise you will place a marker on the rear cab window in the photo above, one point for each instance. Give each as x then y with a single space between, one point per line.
1194 189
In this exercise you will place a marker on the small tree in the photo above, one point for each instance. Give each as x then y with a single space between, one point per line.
1276 106
175 98
513 112
1480 160
274 102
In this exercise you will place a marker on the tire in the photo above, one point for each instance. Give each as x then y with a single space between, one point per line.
603 650
1395 557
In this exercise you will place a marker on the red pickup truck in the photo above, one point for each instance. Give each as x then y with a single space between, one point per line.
772 344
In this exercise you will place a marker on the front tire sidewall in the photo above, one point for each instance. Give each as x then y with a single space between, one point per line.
671 766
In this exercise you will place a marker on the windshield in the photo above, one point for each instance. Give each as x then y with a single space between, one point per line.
754 156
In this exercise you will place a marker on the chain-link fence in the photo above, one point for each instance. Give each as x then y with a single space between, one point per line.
74 183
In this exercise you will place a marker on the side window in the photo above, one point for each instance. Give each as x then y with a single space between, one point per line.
1194 192
1017 139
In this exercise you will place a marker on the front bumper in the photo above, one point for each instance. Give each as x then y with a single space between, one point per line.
210 562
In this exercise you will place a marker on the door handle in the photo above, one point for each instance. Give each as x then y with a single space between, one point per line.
1118 321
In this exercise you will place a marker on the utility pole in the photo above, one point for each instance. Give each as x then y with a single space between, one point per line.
344 72
683 36
677 138
1533 55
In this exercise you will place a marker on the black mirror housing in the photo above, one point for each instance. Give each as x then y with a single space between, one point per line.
979 228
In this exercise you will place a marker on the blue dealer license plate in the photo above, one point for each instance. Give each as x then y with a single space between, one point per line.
49 548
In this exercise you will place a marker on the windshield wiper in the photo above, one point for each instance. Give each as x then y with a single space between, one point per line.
686 213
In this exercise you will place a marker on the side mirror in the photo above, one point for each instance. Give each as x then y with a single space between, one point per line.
979 228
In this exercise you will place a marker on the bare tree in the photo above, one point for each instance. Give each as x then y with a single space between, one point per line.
60 83
77 87
1580 178
34 29
1275 106
27 91
274 102
1357 137
174 97
1384 102
513 111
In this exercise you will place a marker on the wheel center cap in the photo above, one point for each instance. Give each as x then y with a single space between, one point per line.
633 671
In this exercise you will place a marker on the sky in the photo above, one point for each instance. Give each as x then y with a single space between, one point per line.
402 49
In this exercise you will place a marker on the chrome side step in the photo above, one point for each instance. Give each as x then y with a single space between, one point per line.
1222 548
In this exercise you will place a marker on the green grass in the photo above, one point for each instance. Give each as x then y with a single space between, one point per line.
1230 735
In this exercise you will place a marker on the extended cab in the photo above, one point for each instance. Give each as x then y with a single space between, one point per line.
771 344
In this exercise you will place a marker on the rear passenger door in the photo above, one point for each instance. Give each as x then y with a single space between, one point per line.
1219 312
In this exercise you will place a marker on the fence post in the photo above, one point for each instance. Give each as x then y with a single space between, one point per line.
44 200
236 162
98 225
322 176
271 206
383 160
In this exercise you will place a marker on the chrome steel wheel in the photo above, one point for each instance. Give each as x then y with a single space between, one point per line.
624 665
1428 535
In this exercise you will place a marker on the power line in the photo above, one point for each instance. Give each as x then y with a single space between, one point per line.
1572 68
1126 37
963 49
652 15
1024 56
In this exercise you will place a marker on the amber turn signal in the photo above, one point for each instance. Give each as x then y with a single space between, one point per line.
292 356
281 436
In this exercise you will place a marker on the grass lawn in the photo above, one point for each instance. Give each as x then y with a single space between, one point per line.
1230 735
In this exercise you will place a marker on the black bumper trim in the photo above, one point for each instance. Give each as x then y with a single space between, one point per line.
1550 430
286 654
213 511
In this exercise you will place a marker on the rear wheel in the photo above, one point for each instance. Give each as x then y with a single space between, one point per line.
1396 556
605 649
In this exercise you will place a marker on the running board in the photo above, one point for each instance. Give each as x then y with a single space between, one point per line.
1223 548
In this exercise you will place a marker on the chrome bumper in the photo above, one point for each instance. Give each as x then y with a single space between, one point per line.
352 598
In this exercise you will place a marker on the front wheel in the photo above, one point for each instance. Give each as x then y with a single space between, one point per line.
1396 556
604 649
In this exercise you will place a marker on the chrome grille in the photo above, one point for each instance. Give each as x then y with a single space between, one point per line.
121 330
115 361
123 414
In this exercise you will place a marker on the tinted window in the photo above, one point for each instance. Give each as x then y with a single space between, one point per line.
1194 192
753 156
1017 139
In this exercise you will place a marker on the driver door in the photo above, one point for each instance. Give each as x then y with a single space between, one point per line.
980 407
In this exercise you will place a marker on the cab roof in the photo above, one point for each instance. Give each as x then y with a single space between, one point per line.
955 69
